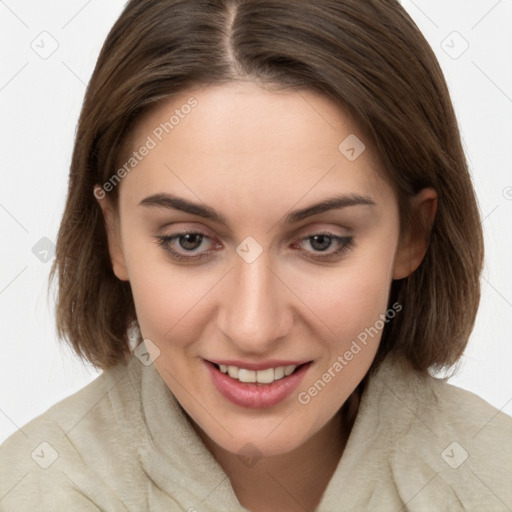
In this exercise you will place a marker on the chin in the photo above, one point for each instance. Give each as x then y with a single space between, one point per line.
257 439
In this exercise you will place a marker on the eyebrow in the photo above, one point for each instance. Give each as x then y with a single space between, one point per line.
178 203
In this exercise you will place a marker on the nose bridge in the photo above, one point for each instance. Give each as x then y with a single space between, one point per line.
255 312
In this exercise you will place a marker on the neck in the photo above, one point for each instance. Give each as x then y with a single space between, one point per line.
293 481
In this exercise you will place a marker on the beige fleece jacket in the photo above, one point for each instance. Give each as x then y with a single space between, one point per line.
123 443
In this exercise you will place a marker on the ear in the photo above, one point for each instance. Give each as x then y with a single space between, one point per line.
413 247
112 228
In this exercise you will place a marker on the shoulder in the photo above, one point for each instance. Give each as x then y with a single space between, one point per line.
46 464
445 438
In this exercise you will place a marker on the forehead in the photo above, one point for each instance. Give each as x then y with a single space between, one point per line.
242 137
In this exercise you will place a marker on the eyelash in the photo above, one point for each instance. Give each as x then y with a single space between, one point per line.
345 243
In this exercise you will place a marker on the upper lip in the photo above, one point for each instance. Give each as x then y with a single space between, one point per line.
263 365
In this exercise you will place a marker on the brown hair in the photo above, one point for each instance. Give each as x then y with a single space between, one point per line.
369 57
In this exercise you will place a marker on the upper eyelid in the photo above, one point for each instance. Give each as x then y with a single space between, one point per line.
300 232
303 236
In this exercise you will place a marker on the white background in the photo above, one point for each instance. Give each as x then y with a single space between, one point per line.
40 101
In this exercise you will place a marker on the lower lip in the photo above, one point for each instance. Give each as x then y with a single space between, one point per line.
255 395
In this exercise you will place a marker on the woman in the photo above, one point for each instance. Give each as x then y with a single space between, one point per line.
270 238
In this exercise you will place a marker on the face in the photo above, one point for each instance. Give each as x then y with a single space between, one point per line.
236 260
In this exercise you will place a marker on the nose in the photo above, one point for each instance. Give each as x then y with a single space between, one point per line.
255 313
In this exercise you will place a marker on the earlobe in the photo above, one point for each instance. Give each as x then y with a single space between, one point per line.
113 234
412 249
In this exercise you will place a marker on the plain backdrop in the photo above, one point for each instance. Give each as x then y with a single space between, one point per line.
48 52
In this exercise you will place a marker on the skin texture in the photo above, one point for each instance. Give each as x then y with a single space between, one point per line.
254 155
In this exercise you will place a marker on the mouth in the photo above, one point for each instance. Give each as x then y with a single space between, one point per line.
257 388
266 376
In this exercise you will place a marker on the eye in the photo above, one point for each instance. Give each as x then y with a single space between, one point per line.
190 241
320 242
184 246
193 245
327 245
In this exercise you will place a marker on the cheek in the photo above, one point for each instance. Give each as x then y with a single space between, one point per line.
174 302
351 303
352 296
167 299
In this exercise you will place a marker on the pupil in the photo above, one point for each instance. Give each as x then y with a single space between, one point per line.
191 241
325 242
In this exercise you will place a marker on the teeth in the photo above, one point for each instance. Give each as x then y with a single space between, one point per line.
279 372
288 370
265 376
246 375
261 376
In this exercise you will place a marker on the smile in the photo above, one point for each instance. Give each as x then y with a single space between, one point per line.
262 376
256 388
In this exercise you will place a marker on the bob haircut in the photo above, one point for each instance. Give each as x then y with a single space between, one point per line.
370 58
